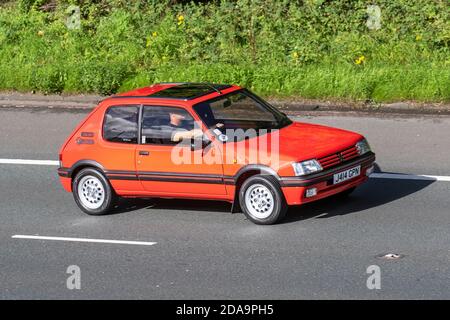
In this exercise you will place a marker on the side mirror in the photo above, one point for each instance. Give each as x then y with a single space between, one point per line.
200 143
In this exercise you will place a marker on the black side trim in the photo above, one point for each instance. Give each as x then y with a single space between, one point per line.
186 180
119 177
63 172
165 176
173 174
229 180
187 177
133 173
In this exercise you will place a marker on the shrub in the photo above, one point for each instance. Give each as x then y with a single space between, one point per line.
312 48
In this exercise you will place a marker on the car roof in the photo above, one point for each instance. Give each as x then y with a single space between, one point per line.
176 91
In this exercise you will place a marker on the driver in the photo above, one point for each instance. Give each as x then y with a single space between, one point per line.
182 129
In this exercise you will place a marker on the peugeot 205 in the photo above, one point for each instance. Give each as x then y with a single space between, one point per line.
212 142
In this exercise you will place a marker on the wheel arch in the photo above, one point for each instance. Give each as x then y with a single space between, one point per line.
82 164
243 174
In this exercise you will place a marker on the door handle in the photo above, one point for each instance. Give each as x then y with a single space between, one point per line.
143 153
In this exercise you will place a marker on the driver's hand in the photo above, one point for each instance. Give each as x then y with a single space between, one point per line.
194 133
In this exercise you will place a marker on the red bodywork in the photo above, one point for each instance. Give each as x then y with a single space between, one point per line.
134 175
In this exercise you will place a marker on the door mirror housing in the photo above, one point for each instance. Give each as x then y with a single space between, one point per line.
200 143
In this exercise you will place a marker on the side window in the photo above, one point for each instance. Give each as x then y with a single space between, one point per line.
120 124
165 125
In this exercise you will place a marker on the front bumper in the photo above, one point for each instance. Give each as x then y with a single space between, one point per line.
294 188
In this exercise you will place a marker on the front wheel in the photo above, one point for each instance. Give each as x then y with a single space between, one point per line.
262 200
92 192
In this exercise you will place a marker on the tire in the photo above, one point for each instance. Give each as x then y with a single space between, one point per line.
262 200
92 192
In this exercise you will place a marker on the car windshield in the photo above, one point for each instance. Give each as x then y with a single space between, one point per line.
240 110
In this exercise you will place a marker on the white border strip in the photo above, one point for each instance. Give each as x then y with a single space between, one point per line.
25 161
409 177
139 243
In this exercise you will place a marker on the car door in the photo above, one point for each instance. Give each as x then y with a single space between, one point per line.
172 167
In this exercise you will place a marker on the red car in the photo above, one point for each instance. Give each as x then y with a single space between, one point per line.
207 141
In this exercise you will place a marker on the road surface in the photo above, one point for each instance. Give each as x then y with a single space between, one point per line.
198 250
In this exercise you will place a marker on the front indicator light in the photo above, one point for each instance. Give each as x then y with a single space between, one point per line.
311 192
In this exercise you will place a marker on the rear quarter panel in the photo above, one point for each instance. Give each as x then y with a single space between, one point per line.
109 155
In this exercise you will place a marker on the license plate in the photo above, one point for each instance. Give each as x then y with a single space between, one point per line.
346 175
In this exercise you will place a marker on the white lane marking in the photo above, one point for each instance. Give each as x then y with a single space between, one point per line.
32 162
373 175
409 177
139 243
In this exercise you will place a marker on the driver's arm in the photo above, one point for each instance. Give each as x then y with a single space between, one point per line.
181 135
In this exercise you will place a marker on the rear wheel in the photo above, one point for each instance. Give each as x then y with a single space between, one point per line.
262 200
92 192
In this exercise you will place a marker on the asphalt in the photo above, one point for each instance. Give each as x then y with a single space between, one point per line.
321 251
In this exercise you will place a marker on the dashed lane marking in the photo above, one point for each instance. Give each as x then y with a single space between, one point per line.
30 237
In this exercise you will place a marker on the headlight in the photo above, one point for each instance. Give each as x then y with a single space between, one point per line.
306 167
363 147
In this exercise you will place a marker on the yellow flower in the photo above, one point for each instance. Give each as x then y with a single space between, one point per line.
40 33
418 37
155 34
295 55
180 19
360 60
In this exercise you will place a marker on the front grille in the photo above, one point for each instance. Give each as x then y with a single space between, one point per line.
338 158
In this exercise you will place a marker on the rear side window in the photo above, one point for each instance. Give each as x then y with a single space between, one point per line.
121 124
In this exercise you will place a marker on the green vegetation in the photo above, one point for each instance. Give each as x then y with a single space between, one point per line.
310 48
